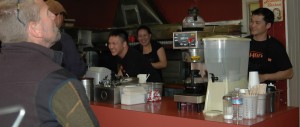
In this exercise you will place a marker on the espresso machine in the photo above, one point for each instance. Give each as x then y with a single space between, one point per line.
190 41
196 80
226 60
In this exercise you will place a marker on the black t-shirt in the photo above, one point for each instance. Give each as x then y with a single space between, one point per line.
135 63
268 56
152 56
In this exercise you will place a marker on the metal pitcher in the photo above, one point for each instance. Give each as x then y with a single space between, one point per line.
88 84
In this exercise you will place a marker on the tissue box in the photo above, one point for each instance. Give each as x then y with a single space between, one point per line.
133 95
133 99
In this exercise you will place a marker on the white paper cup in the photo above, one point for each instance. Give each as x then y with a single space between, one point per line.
253 79
142 78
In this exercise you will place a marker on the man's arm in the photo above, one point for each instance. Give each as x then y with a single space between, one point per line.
280 75
71 107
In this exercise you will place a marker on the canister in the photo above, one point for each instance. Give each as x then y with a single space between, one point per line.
227 107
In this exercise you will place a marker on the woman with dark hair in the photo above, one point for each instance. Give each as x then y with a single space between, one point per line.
152 50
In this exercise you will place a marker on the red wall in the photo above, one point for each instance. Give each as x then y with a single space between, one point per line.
91 13
210 10
100 13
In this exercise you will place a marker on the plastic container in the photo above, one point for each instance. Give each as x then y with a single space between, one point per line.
227 58
154 91
250 106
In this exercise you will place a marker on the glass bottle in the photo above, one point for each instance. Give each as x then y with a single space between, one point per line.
227 107
271 89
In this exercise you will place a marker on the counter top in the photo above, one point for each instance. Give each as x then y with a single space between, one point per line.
165 114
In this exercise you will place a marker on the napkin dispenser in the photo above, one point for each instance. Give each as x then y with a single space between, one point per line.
109 95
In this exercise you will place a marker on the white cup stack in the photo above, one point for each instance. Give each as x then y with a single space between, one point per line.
253 79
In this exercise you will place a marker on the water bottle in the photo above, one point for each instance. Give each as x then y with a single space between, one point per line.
237 103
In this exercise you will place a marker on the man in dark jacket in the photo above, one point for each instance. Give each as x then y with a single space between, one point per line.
71 57
30 76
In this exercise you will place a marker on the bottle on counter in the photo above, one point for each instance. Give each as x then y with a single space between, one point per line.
237 104
271 89
227 107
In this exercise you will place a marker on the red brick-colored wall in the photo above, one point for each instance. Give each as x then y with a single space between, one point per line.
100 13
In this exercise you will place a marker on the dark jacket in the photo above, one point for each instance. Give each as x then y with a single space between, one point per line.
71 57
50 95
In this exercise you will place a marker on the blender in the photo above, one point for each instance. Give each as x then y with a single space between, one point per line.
226 60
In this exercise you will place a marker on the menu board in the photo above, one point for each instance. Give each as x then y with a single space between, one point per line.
277 7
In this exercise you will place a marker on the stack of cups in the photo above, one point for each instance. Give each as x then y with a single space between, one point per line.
253 79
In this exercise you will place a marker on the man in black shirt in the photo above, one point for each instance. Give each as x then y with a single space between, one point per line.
267 55
131 61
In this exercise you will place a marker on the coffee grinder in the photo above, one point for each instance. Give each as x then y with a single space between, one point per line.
226 60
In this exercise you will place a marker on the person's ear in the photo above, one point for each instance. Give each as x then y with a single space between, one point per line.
269 25
124 44
35 29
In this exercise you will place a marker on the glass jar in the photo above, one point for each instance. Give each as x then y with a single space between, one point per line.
193 21
227 107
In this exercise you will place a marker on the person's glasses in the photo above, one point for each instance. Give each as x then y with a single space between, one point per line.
18 13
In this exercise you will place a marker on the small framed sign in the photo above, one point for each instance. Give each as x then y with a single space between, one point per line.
276 6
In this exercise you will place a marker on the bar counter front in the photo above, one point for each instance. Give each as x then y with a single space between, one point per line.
164 113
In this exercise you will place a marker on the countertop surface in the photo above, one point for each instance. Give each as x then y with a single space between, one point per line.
168 107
